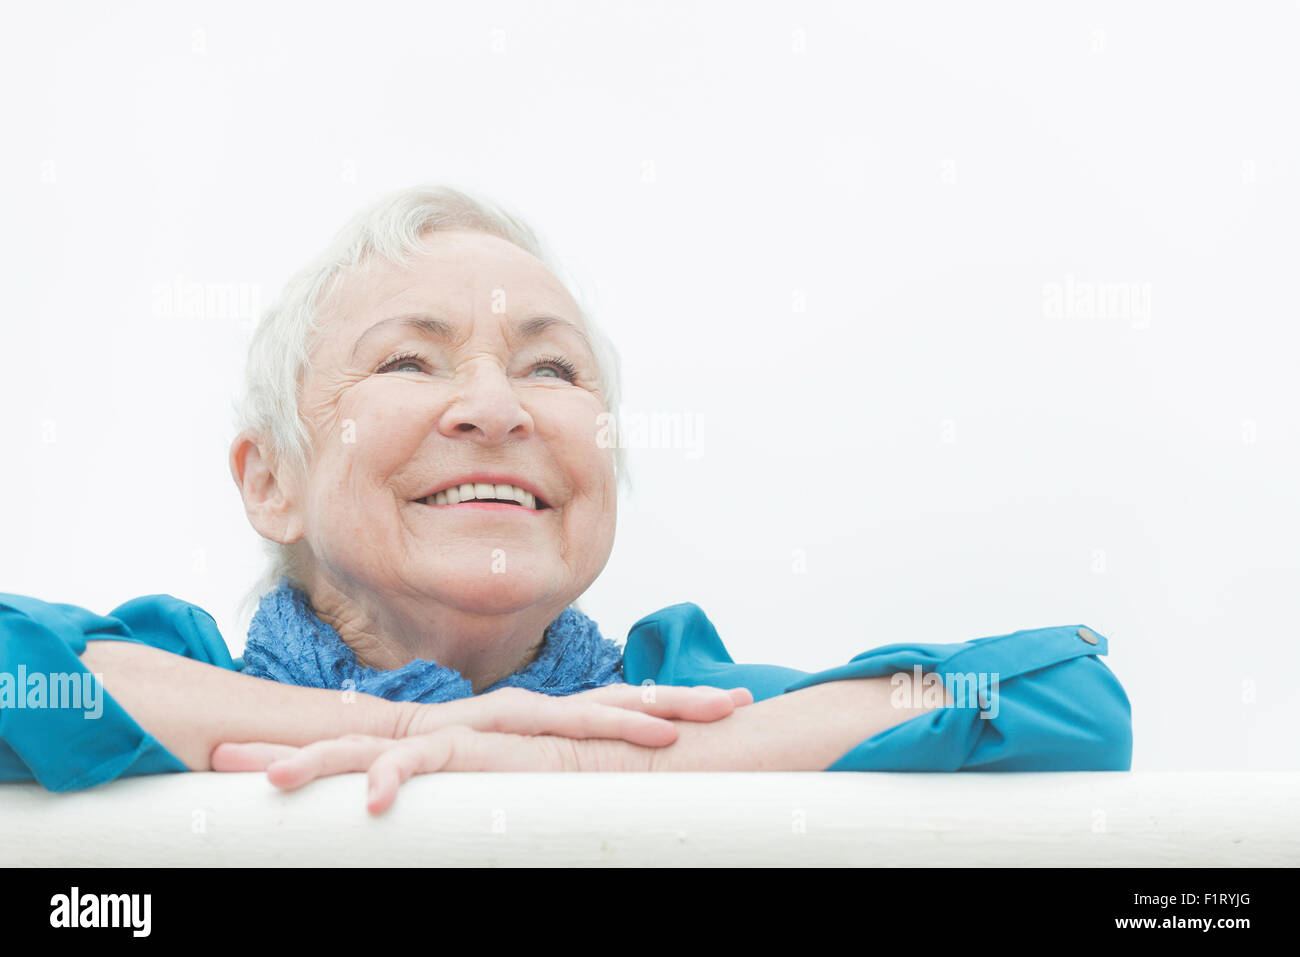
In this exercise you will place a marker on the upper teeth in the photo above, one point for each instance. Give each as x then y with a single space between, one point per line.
481 490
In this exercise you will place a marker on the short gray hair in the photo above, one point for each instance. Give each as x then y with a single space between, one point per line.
390 230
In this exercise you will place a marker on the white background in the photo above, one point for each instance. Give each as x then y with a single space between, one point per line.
832 234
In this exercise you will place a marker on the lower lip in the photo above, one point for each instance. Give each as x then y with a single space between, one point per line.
485 507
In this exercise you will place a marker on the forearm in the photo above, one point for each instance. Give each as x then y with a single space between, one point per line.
804 730
191 707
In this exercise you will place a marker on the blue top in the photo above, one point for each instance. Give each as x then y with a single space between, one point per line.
1035 700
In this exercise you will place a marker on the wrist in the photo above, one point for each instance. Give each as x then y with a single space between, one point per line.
406 718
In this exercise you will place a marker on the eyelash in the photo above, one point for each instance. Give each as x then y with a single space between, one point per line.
400 358
566 368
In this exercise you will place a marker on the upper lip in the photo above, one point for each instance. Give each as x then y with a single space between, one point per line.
488 478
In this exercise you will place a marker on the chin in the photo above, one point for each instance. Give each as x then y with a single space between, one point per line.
493 593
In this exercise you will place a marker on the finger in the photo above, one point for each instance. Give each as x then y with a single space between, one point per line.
424 755
248 756
585 719
464 749
682 697
323 758
701 703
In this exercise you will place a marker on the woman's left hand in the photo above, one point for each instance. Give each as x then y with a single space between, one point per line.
392 761
633 713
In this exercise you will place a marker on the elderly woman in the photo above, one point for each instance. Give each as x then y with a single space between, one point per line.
424 449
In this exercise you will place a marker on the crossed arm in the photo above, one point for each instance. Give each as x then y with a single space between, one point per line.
213 719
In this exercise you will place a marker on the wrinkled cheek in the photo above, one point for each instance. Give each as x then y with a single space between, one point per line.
599 493
346 535
589 535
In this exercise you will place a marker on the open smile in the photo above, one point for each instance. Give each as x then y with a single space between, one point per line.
483 495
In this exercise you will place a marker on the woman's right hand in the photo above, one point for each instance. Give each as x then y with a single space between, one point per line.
633 713
388 762
636 714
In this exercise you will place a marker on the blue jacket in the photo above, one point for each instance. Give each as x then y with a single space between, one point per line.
1035 700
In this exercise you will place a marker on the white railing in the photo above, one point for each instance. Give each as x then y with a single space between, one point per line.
1112 819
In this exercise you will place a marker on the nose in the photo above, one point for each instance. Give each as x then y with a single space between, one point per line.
485 406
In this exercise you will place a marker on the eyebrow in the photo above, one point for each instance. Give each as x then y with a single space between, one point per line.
539 325
430 326
435 328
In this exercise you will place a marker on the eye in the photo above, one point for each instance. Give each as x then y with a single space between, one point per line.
398 362
559 368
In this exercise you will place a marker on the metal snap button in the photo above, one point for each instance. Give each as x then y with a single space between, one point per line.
1088 636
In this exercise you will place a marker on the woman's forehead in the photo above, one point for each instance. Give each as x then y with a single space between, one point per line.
464 277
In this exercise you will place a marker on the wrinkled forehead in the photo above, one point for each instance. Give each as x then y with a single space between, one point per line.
471 280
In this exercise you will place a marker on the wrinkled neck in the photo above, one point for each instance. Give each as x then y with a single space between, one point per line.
390 631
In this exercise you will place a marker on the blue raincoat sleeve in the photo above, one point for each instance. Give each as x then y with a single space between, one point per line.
57 725
1035 700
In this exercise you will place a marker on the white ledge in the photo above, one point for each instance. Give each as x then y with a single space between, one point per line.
1111 819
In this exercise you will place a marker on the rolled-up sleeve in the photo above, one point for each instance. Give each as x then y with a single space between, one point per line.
58 725
1034 700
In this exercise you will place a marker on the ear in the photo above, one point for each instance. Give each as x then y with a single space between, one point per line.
269 502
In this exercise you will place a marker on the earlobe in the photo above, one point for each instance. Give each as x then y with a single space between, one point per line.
268 504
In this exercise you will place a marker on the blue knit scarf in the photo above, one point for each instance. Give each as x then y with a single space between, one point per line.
288 643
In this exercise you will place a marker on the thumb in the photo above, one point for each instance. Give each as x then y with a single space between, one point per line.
253 756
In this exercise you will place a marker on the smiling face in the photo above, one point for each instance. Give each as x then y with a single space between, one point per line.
469 367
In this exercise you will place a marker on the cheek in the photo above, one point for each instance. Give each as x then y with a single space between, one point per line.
375 433
387 429
587 468
351 498
579 433
595 491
